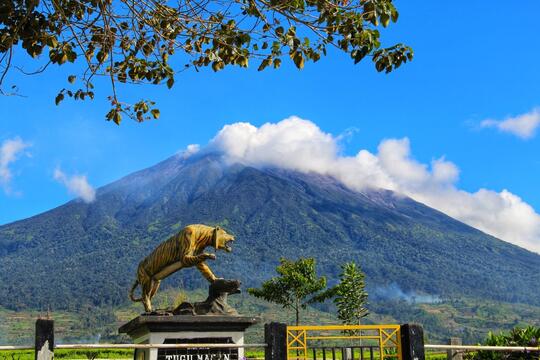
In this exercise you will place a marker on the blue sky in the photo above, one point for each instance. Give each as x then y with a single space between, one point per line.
473 61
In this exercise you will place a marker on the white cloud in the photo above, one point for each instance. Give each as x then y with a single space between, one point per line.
77 185
273 144
523 126
301 145
10 151
191 149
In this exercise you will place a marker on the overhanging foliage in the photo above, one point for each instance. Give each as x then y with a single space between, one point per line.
131 41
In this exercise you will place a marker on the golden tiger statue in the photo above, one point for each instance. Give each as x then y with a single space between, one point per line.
184 249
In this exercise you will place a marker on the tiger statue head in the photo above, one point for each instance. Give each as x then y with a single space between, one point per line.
221 240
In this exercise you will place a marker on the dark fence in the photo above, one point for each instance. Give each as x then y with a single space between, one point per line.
345 353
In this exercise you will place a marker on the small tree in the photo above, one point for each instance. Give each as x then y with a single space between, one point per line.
296 286
349 296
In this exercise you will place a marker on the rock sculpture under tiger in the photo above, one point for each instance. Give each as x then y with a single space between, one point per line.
185 249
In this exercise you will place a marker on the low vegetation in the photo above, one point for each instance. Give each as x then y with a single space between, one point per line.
518 336
467 318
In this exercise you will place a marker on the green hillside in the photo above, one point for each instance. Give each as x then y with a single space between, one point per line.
469 318
83 256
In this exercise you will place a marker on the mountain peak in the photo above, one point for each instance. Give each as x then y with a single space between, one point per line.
91 251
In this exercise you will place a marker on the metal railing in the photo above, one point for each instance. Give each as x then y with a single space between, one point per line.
348 352
383 341
481 348
139 346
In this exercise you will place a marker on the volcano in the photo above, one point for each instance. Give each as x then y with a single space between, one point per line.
87 253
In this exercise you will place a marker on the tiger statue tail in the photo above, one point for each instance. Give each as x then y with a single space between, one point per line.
131 295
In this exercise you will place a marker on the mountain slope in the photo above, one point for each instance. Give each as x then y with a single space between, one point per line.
86 254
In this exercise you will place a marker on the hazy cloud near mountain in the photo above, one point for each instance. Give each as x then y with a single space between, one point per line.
10 151
523 126
77 185
299 144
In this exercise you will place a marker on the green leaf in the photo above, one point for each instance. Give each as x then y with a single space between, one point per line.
114 115
243 61
71 56
264 64
117 118
410 55
101 56
385 20
52 42
395 16
155 113
71 79
59 98
62 59
122 77
298 60
379 65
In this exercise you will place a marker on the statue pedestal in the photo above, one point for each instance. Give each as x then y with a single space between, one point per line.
188 329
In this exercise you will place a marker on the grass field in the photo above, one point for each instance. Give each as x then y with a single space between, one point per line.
70 354
115 354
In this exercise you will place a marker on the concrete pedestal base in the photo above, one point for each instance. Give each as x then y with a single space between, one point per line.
188 329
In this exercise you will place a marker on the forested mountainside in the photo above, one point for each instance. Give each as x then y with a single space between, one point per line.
83 254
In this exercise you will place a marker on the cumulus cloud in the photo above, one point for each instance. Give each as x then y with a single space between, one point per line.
298 144
77 185
523 126
10 151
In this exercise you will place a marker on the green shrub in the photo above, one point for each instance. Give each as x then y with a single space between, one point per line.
527 336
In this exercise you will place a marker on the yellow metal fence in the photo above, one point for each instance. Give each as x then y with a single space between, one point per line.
383 341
